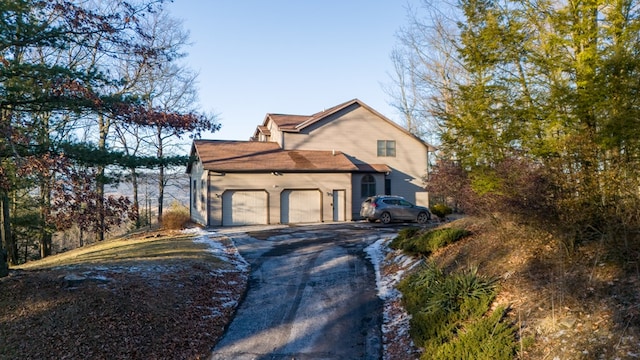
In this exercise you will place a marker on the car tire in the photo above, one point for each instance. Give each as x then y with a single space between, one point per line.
385 218
422 218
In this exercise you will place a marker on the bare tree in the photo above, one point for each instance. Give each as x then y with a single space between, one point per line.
170 86
425 67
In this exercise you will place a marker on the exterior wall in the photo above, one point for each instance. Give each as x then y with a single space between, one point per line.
274 185
198 207
355 132
276 134
358 197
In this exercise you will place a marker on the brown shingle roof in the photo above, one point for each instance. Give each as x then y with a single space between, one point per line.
296 122
254 156
287 122
381 168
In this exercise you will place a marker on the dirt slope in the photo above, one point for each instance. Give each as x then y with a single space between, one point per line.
579 305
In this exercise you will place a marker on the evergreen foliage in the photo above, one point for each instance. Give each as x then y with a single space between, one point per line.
451 317
536 105
424 243
69 71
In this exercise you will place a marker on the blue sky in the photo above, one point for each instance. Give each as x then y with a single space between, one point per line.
288 56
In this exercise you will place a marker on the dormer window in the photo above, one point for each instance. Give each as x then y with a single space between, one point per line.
387 148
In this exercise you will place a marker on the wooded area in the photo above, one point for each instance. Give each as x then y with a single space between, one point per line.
89 92
535 107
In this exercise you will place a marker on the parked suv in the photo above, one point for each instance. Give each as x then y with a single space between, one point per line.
388 208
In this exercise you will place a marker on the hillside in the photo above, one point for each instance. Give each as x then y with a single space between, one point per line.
578 305
159 296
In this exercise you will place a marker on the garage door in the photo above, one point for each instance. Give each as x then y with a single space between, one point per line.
244 207
300 206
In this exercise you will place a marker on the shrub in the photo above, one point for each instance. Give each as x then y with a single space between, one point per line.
404 235
424 243
448 315
441 210
488 338
442 237
176 218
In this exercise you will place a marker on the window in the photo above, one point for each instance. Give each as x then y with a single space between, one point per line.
202 195
194 196
387 148
368 186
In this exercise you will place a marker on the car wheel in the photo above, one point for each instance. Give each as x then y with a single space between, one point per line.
422 218
385 218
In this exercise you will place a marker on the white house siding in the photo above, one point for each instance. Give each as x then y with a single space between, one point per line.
356 130
197 207
276 134
274 186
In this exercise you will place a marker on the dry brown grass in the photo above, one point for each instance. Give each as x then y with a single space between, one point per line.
162 297
582 305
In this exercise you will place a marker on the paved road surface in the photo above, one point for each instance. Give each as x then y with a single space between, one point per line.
311 295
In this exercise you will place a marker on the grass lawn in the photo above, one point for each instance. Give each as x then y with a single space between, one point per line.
164 296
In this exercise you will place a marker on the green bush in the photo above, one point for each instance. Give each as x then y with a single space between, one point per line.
441 210
404 235
424 243
488 338
448 315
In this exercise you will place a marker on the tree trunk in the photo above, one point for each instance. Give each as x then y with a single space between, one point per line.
5 233
136 202
45 235
100 196
8 240
103 129
160 193
160 176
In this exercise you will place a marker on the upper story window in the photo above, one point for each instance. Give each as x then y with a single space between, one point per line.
387 148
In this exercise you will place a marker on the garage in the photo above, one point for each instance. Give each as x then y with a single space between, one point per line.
244 207
300 206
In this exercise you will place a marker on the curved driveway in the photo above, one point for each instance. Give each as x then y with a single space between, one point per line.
311 295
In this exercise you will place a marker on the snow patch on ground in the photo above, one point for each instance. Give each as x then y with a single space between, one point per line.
390 267
225 252
377 252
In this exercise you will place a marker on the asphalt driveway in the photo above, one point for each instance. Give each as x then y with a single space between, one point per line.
312 295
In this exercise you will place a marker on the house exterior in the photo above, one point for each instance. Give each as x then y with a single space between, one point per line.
301 169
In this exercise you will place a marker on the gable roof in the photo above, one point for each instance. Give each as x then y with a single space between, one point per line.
296 123
255 156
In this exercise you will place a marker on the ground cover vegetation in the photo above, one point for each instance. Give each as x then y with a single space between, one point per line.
534 106
90 92
451 313
423 243
157 295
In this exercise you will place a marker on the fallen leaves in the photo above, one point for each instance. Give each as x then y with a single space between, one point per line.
114 313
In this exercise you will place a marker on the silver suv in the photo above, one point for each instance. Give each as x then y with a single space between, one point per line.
388 208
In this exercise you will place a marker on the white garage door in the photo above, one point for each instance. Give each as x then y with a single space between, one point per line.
244 207
300 206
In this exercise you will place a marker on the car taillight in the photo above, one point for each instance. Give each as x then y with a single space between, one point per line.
374 205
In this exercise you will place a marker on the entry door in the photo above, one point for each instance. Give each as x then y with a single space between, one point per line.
339 205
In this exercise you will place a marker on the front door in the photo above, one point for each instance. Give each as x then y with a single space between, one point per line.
339 202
